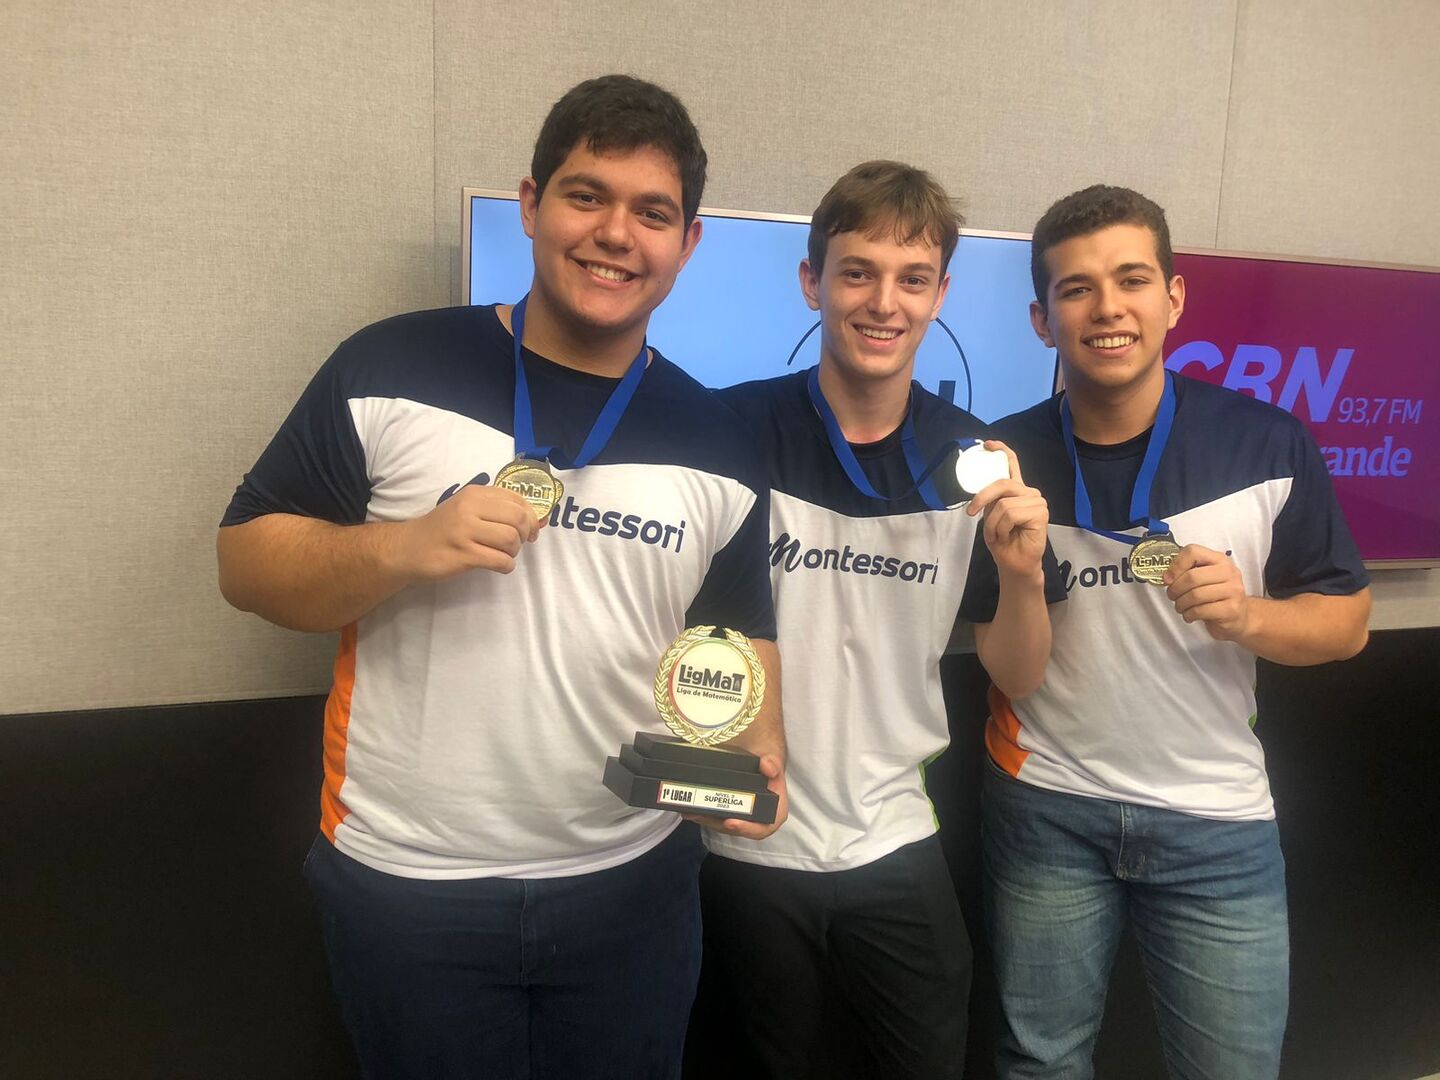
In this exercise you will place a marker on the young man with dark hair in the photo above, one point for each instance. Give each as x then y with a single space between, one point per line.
850 914
489 907
1196 529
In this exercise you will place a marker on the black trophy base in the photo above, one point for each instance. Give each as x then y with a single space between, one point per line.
661 772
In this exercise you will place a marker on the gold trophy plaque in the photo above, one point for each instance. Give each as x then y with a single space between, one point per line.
708 689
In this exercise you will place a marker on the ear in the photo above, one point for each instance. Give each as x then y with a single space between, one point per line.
940 298
810 285
529 205
690 242
1041 324
1177 300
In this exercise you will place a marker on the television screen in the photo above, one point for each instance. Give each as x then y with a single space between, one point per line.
1346 348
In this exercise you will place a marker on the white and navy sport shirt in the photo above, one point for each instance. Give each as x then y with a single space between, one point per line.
866 595
1137 704
467 730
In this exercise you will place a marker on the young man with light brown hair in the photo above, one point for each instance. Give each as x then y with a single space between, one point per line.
849 914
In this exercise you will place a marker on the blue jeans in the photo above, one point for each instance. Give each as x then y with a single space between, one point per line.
1206 902
515 978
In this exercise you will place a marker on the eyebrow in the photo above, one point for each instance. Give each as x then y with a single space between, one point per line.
1069 279
590 180
1123 268
862 263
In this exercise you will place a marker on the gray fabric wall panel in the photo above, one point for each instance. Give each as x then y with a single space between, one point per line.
1334 146
1008 105
200 201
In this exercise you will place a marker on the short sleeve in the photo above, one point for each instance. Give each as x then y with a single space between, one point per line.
736 590
315 464
1311 549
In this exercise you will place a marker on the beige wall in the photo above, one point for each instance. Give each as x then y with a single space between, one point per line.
201 199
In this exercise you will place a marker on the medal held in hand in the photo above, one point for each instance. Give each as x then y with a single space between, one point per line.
708 689
532 480
1151 557
529 475
977 468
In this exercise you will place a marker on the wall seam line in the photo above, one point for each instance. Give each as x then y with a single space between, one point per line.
446 278
1229 114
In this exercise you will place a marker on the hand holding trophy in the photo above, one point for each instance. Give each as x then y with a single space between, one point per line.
708 689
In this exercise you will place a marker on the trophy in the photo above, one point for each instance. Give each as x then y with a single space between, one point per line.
708 689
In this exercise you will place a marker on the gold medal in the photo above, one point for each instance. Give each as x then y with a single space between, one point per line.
1151 557
709 689
532 480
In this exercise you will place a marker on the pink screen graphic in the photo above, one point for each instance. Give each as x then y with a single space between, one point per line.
1352 352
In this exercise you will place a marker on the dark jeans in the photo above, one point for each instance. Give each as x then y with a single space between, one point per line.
510 978
853 973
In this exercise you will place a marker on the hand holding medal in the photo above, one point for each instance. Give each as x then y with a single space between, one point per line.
982 464
1152 554
1016 515
477 528
532 480
529 475
1207 587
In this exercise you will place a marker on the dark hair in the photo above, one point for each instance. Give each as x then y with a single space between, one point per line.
619 113
885 196
1095 208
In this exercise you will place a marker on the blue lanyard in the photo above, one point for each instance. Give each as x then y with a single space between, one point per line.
1140 494
914 460
605 424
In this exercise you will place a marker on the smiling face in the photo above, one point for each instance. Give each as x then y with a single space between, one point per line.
1108 308
876 299
609 239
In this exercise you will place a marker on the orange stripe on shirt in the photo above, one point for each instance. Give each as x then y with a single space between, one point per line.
1002 734
337 731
